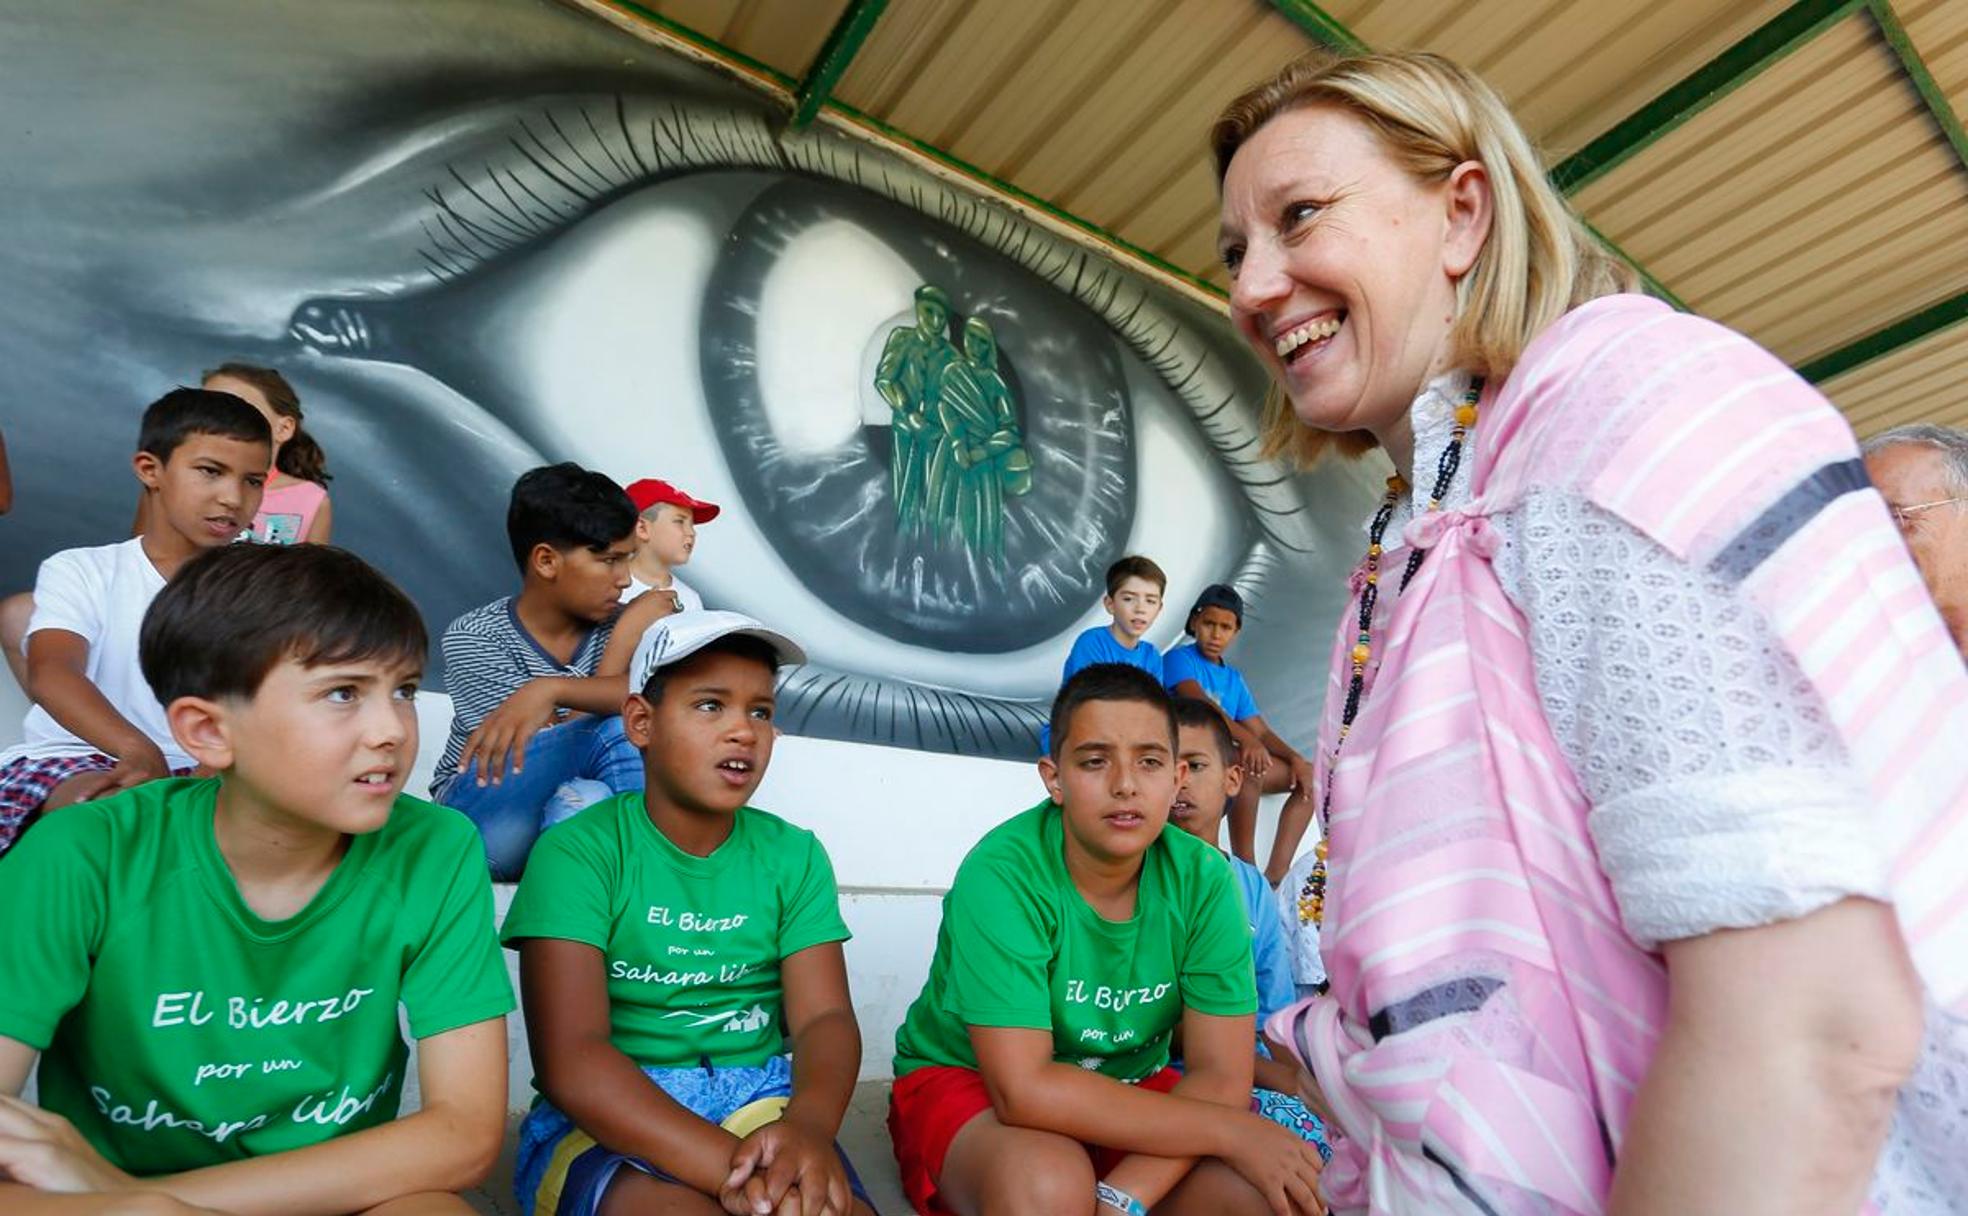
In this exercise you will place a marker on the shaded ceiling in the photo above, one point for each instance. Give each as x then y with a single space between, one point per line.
1798 171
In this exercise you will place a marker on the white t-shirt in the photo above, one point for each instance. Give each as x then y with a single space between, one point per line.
690 600
99 594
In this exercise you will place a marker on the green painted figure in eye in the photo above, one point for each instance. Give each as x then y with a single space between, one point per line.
909 377
982 456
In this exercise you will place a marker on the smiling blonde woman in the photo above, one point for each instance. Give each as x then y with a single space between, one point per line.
1639 763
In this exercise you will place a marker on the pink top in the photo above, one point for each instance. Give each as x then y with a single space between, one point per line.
287 512
1490 1019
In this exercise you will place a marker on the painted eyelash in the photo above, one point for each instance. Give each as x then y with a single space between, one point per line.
563 183
566 177
890 712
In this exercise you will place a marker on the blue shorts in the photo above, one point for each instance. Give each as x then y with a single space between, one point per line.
562 1171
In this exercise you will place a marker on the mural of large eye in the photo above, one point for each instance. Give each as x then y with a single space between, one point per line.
934 427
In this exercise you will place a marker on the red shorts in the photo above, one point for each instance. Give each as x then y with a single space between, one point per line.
927 1109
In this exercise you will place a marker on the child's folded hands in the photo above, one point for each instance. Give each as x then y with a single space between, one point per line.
786 1169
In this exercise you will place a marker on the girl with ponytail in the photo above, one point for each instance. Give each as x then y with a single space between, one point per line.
295 507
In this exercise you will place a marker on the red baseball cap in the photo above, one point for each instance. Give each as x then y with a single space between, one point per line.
649 491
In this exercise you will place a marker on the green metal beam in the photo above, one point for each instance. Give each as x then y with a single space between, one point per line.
1654 286
1754 54
1880 343
1320 25
1923 80
844 41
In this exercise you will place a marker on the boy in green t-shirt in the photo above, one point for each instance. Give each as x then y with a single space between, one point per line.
671 944
210 969
1032 1073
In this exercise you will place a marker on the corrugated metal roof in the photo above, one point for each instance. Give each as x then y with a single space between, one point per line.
1793 170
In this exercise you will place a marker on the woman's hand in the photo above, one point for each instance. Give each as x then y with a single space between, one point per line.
43 1150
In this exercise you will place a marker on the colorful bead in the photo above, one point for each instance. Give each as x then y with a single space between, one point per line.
1465 416
1361 652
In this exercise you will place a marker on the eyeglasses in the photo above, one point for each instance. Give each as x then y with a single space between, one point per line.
1903 516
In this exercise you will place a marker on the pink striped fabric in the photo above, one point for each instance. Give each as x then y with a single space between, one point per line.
1489 1020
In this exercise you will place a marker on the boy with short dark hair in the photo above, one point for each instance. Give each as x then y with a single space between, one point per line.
666 535
95 728
1032 1073
1135 586
537 679
670 943
1211 780
214 971
1270 765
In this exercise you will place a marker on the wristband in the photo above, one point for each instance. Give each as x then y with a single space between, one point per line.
1118 1199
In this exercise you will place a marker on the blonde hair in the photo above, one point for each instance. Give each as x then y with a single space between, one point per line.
1538 262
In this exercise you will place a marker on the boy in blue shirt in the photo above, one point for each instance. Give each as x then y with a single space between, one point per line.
1134 599
1135 586
1211 781
1270 765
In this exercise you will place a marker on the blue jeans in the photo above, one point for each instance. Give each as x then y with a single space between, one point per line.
569 766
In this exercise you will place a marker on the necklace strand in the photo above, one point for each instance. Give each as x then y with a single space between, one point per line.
1312 895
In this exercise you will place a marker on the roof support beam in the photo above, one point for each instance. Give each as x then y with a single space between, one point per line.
844 41
1754 54
1320 25
1923 80
1876 345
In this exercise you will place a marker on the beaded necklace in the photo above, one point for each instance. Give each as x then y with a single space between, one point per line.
1312 896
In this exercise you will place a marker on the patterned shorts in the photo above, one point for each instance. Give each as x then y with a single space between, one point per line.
26 783
1290 1112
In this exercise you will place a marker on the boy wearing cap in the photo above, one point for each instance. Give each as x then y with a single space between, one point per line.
671 943
1271 766
537 679
665 533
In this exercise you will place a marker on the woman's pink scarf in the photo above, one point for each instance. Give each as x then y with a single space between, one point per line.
1489 1020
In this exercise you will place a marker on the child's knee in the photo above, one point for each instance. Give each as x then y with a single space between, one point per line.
573 796
1056 1180
427 1203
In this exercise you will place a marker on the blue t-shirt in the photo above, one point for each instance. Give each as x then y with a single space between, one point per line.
1224 683
1097 645
1274 975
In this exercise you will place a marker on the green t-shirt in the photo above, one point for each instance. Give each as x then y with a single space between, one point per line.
1019 947
178 1029
692 944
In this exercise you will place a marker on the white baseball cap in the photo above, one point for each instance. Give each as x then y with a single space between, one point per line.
682 634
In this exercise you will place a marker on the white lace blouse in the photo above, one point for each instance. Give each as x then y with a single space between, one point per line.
1721 795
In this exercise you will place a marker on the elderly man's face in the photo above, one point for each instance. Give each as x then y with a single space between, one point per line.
1908 475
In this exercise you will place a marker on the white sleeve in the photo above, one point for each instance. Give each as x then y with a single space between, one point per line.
71 593
1722 796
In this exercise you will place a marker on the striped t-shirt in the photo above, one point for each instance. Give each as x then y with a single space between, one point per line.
487 655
